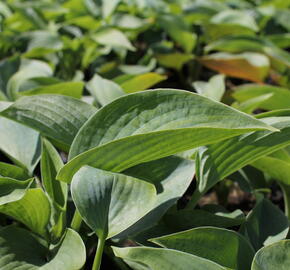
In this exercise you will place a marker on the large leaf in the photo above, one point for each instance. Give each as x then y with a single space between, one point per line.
54 116
20 143
161 258
222 246
265 225
217 161
280 97
275 256
107 201
152 125
19 249
249 66
33 210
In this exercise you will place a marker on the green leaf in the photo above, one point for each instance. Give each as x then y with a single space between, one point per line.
150 126
171 176
20 249
173 60
265 225
161 258
249 66
12 189
236 17
217 161
7 68
187 218
280 97
72 89
28 69
225 247
33 210
55 116
214 88
51 163
113 38
178 31
142 82
12 171
57 191
275 256
107 201
20 143
108 7
103 90
246 43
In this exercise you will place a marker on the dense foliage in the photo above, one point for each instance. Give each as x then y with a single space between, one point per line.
96 173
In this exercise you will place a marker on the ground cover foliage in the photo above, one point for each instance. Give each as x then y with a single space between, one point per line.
98 172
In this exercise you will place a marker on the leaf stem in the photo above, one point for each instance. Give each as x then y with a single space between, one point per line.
194 199
99 253
76 221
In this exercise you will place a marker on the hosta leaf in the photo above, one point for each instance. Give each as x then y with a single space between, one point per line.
57 191
104 90
113 38
187 218
109 6
161 258
265 225
217 161
107 201
249 66
19 249
280 97
142 82
222 246
174 60
51 163
275 256
12 189
240 43
214 88
20 143
72 89
151 125
54 116
178 31
33 210
171 177
12 171
235 17
28 69
7 68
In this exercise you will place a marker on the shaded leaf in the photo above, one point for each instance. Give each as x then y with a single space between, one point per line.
225 247
107 201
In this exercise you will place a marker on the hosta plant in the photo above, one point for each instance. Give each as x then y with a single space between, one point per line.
98 172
